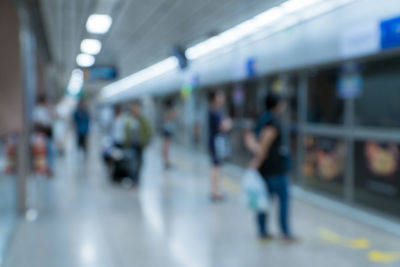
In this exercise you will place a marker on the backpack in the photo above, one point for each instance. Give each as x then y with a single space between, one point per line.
145 131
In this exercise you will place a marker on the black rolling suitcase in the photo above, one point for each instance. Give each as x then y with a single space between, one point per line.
126 166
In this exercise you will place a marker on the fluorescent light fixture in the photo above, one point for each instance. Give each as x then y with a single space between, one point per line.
98 23
137 78
75 82
272 20
85 60
91 46
269 16
296 5
323 8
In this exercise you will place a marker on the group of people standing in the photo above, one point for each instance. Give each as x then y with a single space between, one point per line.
130 134
270 158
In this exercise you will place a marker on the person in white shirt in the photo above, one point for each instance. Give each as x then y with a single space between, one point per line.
42 122
118 127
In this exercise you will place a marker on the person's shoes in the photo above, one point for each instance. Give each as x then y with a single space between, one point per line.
290 239
266 237
167 166
217 198
49 174
127 183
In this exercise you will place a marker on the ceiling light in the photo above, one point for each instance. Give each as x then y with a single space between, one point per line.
137 78
75 82
269 16
98 23
296 5
322 8
272 20
91 46
85 60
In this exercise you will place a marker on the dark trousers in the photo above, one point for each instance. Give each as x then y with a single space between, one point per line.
277 185
137 162
82 142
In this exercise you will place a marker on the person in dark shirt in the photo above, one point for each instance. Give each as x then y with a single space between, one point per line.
218 124
271 160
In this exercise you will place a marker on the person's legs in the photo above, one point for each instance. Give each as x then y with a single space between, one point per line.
85 137
165 151
83 143
280 185
262 217
50 156
215 173
138 151
80 142
262 224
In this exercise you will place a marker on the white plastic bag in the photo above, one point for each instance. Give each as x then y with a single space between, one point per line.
222 147
254 191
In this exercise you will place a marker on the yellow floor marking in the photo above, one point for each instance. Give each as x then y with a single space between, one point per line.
361 243
383 257
332 237
329 236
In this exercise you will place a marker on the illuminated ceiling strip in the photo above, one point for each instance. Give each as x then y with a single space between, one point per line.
140 77
272 20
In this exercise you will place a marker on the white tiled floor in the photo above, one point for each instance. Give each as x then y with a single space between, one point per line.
86 221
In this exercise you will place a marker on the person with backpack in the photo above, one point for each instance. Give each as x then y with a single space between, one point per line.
137 137
271 160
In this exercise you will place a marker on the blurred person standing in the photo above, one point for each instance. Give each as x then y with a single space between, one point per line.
168 129
218 125
118 127
271 160
43 137
113 144
82 125
60 128
137 137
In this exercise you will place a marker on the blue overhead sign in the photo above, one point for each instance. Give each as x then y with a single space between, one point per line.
390 33
100 74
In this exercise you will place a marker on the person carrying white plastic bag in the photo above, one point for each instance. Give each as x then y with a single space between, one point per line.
254 191
271 159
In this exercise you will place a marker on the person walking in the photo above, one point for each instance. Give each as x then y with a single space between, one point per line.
82 125
271 160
